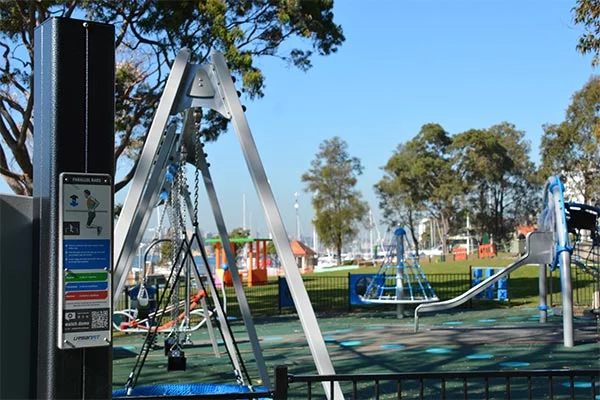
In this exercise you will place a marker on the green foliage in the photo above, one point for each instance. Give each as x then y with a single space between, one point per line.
572 148
339 208
166 249
484 172
398 192
439 183
239 232
587 13
498 178
271 248
149 34
419 180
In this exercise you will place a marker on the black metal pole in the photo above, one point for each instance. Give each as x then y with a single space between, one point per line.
279 293
74 132
349 294
281 383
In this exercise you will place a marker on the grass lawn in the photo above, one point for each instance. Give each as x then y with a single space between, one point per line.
438 267
328 291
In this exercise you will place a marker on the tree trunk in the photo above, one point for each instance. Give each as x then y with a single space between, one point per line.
445 230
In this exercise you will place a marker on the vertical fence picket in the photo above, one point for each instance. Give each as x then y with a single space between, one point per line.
443 388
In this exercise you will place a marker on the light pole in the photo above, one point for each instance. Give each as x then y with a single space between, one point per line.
244 211
315 235
296 206
371 226
140 262
468 235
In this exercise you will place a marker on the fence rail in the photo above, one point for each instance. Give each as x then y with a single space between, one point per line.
331 293
532 384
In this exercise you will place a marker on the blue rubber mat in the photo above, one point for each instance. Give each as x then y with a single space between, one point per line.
184 389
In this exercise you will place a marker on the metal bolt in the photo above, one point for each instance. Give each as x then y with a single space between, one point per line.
85 25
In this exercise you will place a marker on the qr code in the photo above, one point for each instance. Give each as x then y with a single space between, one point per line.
100 319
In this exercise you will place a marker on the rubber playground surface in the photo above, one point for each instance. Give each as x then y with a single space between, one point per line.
378 342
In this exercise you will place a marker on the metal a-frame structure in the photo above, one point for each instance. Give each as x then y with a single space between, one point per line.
211 86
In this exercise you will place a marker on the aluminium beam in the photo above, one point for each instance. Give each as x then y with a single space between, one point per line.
221 314
202 165
543 289
555 189
127 231
274 221
138 222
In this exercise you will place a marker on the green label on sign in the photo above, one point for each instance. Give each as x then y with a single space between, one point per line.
86 276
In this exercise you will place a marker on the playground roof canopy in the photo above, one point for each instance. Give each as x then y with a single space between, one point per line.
300 249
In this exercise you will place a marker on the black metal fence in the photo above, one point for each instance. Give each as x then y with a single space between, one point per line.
331 293
519 385
448 286
534 384
584 285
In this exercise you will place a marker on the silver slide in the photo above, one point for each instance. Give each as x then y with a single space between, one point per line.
540 250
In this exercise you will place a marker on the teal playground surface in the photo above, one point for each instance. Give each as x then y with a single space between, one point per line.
378 342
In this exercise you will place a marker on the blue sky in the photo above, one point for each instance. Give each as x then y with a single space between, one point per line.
463 64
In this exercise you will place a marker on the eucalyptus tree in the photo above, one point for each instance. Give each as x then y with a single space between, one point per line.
339 208
419 178
399 197
439 183
587 14
571 148
519 193
497 177
148 35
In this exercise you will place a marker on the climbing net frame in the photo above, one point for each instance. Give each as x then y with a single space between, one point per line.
403 283
582 225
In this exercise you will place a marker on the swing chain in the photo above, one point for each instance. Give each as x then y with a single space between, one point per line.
197 150
171 207
161 222
183 207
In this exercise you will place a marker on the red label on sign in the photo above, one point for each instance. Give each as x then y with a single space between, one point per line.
93 295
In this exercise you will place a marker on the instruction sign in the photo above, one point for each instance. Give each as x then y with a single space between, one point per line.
85 260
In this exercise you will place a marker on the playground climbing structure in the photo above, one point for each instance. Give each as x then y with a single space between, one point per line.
582 224
550 246
401 283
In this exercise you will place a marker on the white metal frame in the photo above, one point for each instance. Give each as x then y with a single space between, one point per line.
210 85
